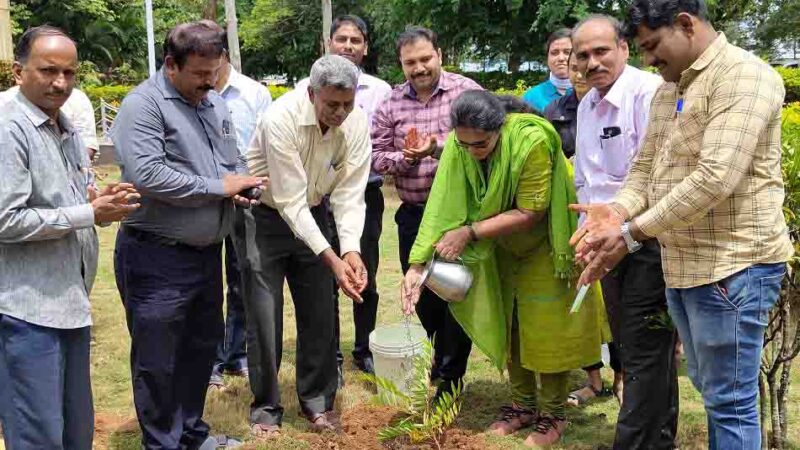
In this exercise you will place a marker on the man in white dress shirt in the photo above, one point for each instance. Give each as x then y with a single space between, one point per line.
350 39
312 143
612 123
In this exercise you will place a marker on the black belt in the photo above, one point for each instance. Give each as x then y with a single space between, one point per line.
146 236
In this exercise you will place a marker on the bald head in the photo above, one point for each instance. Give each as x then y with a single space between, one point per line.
46 61
600 52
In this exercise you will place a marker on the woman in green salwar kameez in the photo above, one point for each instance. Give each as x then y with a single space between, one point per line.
499 202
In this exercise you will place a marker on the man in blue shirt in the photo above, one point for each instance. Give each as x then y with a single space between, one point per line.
175 141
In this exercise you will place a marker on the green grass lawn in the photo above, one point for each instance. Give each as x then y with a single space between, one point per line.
227 411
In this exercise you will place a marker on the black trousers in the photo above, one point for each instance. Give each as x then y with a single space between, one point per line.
648 418
451 344
173 305
364 314
275 255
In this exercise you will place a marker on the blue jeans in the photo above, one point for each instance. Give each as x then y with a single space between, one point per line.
45 391
722 328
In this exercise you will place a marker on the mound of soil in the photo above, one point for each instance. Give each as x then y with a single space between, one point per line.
360 427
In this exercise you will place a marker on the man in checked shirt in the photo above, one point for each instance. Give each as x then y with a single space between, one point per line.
707 184
408 132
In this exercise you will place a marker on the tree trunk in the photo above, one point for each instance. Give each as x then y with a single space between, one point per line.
6 46
327 17
773 404
233 34
762 396
210 11
514 62
783 397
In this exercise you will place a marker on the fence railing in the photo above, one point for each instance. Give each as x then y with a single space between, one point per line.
108 113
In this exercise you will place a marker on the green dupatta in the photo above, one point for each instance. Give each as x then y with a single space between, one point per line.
461 195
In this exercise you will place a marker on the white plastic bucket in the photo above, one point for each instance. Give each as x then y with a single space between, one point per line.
393 352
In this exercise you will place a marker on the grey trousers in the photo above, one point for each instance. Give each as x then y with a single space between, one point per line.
275 255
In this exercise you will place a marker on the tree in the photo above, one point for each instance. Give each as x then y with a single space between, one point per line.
282 36
109 33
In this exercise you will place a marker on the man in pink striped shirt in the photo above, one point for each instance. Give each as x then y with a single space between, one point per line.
408 133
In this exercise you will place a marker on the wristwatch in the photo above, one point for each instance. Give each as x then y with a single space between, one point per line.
633 245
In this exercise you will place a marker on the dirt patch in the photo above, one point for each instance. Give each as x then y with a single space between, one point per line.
107 424
360 427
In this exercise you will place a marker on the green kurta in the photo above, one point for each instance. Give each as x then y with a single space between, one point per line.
527 170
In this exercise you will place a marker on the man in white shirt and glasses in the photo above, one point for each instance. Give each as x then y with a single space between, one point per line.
350 39
313 143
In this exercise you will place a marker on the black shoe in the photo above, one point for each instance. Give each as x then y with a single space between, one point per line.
365 364
340 373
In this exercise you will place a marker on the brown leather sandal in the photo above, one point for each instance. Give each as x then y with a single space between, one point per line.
513 419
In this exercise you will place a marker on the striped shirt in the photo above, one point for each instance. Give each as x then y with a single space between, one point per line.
707 181
396 116
48 245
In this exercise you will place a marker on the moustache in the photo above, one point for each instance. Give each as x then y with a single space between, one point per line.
419 75
594 71
205 88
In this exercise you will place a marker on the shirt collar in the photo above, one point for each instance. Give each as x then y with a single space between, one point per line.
234 79
443 84
308 117
169 92
617 91
707 57
38 117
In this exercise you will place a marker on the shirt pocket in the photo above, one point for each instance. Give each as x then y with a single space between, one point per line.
687 134
328 177
616 155
229 153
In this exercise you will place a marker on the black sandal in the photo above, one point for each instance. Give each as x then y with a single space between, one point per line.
576 399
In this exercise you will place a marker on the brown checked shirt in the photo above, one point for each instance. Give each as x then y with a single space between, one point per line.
707 181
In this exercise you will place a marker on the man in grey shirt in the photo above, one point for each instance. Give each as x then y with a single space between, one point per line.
175 141
48 249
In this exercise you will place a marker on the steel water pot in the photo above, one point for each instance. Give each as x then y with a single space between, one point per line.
450 281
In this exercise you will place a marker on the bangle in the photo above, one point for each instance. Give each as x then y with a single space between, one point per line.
472 234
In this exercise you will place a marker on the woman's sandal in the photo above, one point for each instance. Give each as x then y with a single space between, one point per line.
578 398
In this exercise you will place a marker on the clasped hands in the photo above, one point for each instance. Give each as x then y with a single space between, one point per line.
598 243
416 147
349 271
113 203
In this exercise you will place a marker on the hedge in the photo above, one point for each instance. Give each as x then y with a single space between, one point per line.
791 80
6 77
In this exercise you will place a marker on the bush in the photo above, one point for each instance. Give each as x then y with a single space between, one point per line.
88 75
112 94
791 80
277 91
6 77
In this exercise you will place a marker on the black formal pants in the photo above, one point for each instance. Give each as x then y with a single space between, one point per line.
648 418
364 314
274 254
172 295
451 344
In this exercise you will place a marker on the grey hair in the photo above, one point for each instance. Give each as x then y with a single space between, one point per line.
333 70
